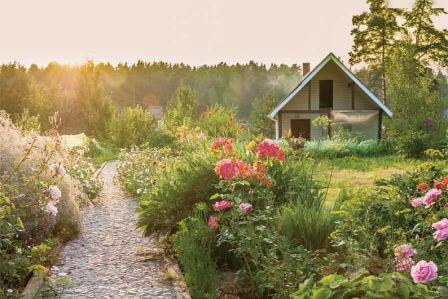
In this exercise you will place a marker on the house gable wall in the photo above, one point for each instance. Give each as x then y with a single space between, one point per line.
342 92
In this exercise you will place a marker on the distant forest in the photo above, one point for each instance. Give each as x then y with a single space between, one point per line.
68 89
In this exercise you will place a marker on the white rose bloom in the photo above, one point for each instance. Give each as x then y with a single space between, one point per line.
55 193
52 209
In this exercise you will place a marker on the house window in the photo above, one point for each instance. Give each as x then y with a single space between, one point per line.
325 94
301 128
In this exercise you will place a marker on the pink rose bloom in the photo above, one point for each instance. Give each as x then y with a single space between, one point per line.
424 272
430 197
441 228
245 208
55 193
417 202
222 205
404 251
213 222
226 169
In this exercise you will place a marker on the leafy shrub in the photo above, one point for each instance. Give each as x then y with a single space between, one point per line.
131 127
219 121
342 148
362 285
194 245
179 187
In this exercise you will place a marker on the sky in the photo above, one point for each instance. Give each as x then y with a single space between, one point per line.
194 32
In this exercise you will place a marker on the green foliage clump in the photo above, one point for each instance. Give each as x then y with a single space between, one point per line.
342 148
132 126
179 187
362 285
194 245
219 121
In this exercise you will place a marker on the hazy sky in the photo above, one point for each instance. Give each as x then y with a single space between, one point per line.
191 31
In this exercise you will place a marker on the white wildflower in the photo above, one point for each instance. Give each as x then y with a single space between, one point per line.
55 193
52 209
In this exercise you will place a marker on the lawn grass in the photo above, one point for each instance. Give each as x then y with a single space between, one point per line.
359 173
101 152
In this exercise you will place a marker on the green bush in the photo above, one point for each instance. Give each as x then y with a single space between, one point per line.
194 245
342 148
218 121
179 187
131 127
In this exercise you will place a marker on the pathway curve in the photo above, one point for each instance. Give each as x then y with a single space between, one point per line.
108 260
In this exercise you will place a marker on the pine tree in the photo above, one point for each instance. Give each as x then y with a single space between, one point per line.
431 44
260 124
374 36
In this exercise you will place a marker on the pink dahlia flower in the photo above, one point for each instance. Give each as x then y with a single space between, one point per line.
213 222
424 272
222 205
441 228
270 149
430 197
245 208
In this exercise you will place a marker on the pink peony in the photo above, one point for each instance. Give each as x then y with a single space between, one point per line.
245 208
213 222
270 149
404 251
424 272
417 202
222 205
226 169
55 193
430 197
441 228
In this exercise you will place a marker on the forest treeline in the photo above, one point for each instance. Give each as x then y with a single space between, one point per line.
81 92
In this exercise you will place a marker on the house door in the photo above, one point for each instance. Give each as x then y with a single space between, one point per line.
301 128
325 94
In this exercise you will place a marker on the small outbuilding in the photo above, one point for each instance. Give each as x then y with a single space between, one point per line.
329 89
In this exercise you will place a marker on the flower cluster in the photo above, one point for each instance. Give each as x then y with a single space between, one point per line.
222 144
271 150
222 205
441 228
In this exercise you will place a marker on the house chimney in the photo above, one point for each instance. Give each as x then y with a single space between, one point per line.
305 68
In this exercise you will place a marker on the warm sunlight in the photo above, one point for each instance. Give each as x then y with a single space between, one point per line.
210 149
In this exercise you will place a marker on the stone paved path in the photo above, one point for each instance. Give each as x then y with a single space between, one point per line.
106 261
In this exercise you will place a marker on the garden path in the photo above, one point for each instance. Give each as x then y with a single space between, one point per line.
110 258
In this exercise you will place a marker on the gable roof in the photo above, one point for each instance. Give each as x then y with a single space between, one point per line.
310 75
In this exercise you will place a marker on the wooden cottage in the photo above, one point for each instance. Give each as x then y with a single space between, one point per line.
329 89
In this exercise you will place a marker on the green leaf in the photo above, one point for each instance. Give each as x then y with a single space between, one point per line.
322 293
333 280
